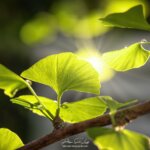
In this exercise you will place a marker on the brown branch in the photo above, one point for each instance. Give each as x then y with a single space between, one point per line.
122 117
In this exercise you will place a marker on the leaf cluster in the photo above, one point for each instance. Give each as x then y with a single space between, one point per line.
67 71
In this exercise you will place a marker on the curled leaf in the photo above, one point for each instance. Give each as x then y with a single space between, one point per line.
132 18
10 82
127 58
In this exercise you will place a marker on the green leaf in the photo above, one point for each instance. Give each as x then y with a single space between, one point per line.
10 82
132 18
113 105
128 58
82 110
70 112
106 138
64 71
9 140
31 103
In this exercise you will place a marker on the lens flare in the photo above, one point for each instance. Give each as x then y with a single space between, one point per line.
96 63
95 59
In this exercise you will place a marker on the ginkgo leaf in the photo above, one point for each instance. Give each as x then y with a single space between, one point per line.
69 112
9 140
82 110
132 18
31 103
110 139
64 71
113 105
10 82
127 58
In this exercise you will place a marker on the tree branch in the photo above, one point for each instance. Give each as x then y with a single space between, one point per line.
122 117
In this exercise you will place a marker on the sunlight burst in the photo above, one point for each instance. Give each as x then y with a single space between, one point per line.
95 59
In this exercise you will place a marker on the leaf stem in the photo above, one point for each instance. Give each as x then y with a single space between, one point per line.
112 117
59 104
58 122
49 116
59 100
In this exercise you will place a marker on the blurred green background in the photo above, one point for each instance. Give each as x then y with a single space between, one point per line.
31 29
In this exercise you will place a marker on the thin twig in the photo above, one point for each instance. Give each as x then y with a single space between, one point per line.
122 117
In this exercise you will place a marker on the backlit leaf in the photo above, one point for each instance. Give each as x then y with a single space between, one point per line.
9 140
132 18
31 103
82 110
107 138
10 82
64 71
70 112
113 105
127 58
